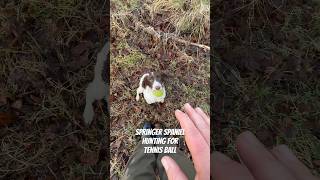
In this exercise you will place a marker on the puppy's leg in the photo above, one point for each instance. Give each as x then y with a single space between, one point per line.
96 90
139 91
149 101
140 88
88 112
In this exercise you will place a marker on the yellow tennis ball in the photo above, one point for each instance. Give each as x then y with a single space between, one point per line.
158 93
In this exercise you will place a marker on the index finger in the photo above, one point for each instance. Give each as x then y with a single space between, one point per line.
196 143
204 115
199 122
261 163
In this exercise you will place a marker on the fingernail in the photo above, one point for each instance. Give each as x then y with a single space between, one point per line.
164 161
187 106
249 138
218 157
198 109
178 111
285 152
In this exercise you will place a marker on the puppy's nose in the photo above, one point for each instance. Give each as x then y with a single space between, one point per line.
158 87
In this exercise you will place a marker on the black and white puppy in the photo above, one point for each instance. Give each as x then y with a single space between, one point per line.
152 88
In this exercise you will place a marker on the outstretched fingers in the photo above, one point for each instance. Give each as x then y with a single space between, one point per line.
222 165
200 120
261 163
196 143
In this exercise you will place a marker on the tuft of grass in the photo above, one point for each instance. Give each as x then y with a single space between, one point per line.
130 60
188 17
124 6
42 10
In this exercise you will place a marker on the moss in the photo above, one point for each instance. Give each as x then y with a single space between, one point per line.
130 60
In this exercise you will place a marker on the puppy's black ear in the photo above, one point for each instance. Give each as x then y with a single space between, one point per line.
146 82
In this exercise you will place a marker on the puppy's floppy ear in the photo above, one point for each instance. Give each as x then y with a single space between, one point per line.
146 82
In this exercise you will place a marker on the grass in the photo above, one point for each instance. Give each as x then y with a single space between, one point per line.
47 138
131 60
132 54
187 17
272 88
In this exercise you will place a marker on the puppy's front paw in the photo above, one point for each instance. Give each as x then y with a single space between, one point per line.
88 114
137 97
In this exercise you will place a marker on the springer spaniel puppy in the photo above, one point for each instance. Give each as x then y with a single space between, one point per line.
152 88
98 89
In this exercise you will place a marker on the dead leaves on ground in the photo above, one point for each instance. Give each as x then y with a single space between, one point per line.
13 110
14 29
17 104
6 119
89 158
80 56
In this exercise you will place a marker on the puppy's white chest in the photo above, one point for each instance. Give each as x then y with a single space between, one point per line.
151 98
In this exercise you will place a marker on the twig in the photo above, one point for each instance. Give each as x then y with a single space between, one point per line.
165 36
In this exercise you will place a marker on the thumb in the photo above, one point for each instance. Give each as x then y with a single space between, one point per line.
172 169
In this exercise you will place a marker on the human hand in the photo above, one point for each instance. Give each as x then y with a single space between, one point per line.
259 163
196 125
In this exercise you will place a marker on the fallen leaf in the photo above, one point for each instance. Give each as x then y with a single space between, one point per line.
6 119
17 104
18 76
81 48
49 177
54 69
90 158
79 62
3 100
266 137
116 144
35 99
288 128
91 35
15 28
316 162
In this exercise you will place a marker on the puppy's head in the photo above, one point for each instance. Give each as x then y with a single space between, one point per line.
154 81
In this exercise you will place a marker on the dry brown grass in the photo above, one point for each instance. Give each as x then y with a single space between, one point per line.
187 17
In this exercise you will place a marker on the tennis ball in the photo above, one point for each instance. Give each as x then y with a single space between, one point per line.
158 93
